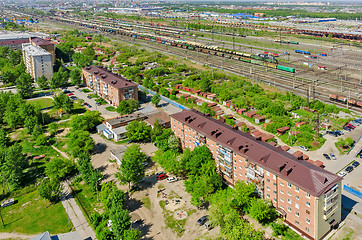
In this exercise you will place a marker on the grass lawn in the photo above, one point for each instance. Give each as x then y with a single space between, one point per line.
111 109
30 216
42 102
304 113
86 90
93 95
86 199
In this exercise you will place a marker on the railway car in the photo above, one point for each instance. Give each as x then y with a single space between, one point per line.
321 67
287 69
313 56
323 54
257 62
271 65
245 60
342 99
302 52
333 97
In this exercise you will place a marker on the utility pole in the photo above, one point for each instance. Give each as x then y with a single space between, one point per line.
1 216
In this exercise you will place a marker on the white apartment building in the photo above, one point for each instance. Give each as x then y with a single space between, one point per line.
38 61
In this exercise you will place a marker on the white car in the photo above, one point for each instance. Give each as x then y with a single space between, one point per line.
145 164
342 174
304 148
171 179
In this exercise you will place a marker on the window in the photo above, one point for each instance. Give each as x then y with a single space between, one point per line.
289 209
297 214
289 201
297 197
307 229
274 184
240 174
241 167
296 223
268 196
297 189
268 188
268 180
281 191
307 211
297 206
281 207
234 168
281 184
234 154
307 220
275 192
281 200
274 177
308 195
289 193
289 185
235 175
274 200
267 173
308 204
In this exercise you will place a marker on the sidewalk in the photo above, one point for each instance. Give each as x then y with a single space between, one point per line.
75 214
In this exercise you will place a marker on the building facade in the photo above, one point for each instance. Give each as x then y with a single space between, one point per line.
44 44
110 86
38 62
308 197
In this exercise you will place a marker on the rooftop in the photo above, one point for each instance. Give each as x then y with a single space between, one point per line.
40 41
34 50
14 36
125 118
162 117
108 77
303 174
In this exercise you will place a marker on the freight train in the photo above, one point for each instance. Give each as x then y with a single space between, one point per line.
345 100
258 59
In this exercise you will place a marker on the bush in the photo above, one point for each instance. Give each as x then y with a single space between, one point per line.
279 229
95 218
41 140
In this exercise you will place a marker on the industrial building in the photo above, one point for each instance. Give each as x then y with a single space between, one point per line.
110 86
38 62
13 40
307 196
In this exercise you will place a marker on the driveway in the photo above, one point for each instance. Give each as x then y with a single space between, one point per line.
102 108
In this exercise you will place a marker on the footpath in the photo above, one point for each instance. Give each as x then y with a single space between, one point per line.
73 211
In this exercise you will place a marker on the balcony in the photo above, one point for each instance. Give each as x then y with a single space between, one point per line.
329 213
329 206
330 196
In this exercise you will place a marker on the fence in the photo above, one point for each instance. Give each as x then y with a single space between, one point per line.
165 98
352 191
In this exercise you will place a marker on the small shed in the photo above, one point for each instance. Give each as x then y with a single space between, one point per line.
298 124
259 119
282 130
250 114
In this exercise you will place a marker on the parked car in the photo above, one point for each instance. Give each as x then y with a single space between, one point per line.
304 148
202 220
171 179
333 156
339 132
355 164
350 126
70 94
326 156
85 104
354 122
159 173
360 156
89 97
342 174
145 164
162 176
208 225
347 129
349 169
98 104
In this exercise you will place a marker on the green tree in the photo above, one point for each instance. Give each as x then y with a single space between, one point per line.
76 77
24 85
4 139
243 194
131 234
50 190
87 121
58 168
41 140
37 131
8 75
53 128
59 78
156 131
128 106
80 142
206 109
174 143
138 131
131 169
156 99
43 82
63 102
262 211
120 221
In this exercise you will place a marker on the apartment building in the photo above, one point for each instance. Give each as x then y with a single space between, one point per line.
37 61
110 86
307 196
44 44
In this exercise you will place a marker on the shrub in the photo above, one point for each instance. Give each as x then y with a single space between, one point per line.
279 229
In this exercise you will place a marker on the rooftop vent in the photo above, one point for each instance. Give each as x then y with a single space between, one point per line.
114 81
88 68
104 75
282 167
96 72
289 171
218 134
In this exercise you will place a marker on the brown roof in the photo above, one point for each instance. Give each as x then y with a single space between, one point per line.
285 148
110 78
283 129
40 41
10 42
161 116
308 177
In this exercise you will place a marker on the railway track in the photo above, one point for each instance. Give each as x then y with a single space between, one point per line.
283 80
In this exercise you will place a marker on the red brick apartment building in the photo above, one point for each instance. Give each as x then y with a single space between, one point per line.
307 196
110 86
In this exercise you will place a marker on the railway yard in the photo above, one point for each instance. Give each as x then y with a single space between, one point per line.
328 72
